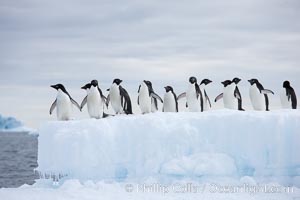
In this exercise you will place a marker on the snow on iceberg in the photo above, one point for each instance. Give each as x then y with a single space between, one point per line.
9 123
218 143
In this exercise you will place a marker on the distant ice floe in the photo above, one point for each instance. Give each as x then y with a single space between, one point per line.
11 124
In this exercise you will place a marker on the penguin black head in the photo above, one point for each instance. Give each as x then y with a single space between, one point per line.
205 81
236 80
286 84
94 83
226 83
86 86
253 81
193 80
117 81
148 83
168 89
58 86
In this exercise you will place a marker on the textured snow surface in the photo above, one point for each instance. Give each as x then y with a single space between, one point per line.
198 146
90 190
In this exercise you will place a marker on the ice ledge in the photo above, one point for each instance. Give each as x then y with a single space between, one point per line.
247 143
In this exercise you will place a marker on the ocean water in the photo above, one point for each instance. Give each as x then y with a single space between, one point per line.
18 159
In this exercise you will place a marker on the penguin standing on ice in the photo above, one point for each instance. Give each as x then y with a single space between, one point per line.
237 92
206 102
229 95
258 95
94 99
288 96
147 97
119 98
63 103
194 98
170 100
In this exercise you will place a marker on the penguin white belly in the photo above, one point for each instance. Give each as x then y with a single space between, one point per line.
257 98
115 99
63 106
95 104
144 100
169 102
229 99
285 103
192 101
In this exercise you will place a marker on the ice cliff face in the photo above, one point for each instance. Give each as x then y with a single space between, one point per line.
219 143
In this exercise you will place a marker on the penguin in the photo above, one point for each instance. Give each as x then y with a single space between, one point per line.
206 102
170 100
194 98
119 98
229 95
237 92
258 95
288 96
63 103
147 97
94 99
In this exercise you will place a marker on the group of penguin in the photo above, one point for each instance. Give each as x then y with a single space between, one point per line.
196 97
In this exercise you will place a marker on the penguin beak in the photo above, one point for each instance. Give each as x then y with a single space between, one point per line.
209 81
107 89
53 86
83 87
249 81
223 82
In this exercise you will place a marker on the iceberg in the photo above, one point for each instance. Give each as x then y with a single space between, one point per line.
263 146
7 123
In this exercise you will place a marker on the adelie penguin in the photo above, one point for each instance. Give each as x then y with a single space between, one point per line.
94 99
170 100
258 95
194 98
230 95
288 96
63 103
147 97
238 94
119 98
206 102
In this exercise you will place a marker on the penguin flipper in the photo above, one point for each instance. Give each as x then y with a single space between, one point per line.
207 98
267 102
292 96
220 96
156 96
266 91
83 102
182 95
155 102
75 103
125 101
52 107
199 93
138 100
139 88
104 99
237 94
107 100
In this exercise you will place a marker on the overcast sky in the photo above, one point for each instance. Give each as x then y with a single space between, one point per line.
74 41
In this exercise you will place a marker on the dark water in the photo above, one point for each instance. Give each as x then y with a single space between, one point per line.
18 159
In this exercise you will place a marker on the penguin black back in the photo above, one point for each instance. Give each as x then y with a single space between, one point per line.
290 93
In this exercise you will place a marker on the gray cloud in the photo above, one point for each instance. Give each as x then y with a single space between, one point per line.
164 41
